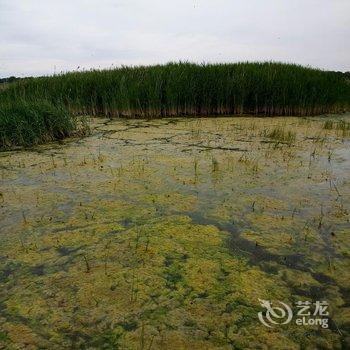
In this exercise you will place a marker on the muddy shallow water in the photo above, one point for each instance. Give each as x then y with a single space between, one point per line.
164 234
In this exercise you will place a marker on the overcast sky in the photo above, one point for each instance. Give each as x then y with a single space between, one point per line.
47 36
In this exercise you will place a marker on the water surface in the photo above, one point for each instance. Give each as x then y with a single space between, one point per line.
164 234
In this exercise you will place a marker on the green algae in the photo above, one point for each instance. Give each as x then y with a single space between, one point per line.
166 233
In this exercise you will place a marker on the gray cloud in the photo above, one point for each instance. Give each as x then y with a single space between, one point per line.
46 36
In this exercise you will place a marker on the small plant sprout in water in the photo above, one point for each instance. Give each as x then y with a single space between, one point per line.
328 125
330 154
320 222
214 165
87 264
195 168
280 135
53 161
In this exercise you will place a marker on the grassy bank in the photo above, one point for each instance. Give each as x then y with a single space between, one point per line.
29 123
190 89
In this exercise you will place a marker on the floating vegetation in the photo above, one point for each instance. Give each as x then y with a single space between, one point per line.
138 237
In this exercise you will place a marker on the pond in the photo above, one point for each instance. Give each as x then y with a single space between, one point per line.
170 233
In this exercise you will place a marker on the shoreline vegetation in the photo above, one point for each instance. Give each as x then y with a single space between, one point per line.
35 110
30 123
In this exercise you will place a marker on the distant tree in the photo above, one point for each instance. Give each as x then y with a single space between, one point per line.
8 80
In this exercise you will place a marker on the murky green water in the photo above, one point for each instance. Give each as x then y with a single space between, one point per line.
165 234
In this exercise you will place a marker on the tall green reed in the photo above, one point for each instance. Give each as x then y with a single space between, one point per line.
178 89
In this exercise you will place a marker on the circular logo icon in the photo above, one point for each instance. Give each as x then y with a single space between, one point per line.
274 315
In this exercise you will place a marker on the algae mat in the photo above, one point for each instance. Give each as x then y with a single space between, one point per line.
169 234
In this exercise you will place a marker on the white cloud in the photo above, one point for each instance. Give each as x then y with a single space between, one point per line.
40 37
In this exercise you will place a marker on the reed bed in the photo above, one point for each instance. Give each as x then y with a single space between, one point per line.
28 123
177 89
